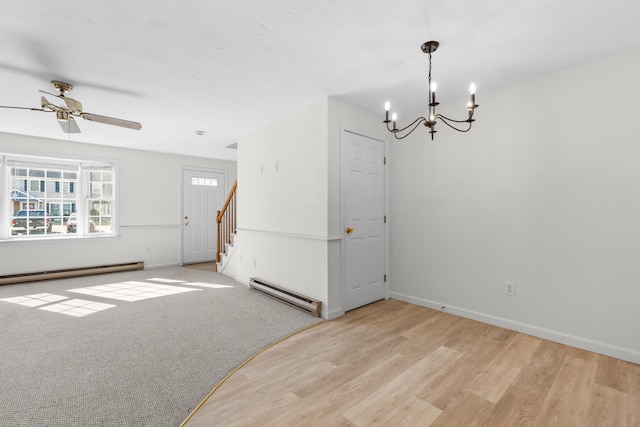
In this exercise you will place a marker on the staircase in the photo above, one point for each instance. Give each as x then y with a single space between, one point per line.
226 220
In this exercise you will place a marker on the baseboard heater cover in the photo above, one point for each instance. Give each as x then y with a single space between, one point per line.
305 303
69 272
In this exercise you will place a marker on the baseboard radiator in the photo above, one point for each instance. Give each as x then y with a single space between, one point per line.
69 272
302 302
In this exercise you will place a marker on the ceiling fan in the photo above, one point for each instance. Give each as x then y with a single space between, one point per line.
70 108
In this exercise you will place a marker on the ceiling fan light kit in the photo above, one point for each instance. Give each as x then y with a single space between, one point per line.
65 114
431 119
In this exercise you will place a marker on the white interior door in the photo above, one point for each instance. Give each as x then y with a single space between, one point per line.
364 234
203 195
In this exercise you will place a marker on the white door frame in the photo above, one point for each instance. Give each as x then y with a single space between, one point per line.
344 196
200 169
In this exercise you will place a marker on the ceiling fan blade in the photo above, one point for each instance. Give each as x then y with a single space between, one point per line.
111 121
52 94
23 108
67 122
49 93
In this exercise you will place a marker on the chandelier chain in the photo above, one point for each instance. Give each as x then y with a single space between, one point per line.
429 69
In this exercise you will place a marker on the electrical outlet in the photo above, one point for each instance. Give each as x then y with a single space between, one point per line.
510 288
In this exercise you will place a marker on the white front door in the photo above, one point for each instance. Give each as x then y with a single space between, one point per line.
203 195
364 233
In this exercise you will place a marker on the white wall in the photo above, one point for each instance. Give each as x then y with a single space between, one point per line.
289 215
544 192
150 206
282 203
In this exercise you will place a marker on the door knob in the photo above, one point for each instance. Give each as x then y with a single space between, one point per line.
186 223
349 230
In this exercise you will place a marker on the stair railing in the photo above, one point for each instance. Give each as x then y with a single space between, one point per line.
226 220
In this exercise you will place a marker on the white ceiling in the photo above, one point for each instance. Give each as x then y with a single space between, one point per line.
229 67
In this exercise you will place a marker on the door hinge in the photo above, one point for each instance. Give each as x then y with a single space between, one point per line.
385 160
385 219
385 278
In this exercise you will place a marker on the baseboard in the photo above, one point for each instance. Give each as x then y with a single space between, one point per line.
69 272
536 331
288 296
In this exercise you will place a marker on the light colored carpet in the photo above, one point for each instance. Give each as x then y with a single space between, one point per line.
204 266
143 362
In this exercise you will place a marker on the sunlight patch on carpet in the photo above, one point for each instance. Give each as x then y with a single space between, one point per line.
131 291
77 307
34 300
62 305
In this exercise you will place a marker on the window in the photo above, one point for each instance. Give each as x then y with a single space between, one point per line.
36 186
68 187
60 198
209 182
100 200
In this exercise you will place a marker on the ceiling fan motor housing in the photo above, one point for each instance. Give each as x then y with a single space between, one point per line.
62 86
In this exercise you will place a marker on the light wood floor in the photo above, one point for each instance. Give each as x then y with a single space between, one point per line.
394 364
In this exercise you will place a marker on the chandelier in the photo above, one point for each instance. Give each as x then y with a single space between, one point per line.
430 121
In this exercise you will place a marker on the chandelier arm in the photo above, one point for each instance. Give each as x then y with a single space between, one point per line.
415 124
444 120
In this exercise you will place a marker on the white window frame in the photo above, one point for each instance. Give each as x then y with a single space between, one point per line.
81 193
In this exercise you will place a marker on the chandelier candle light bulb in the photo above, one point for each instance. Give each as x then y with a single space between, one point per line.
472 91
430 122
